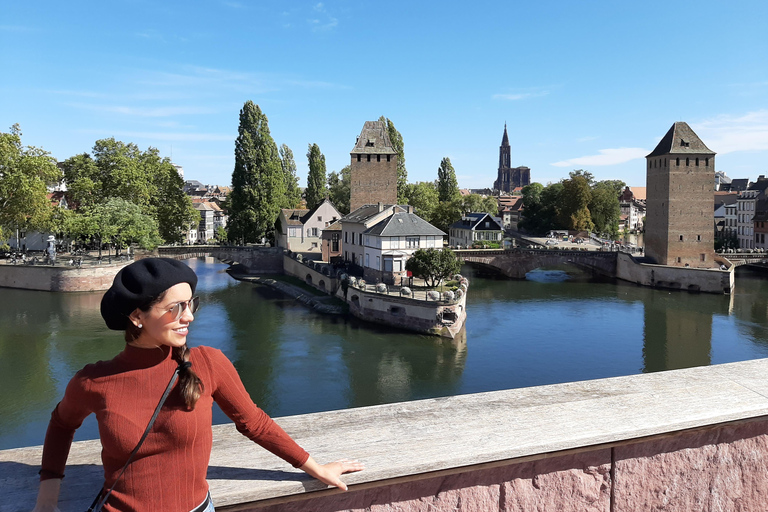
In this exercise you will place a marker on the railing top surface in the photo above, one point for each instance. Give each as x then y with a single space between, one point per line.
410 439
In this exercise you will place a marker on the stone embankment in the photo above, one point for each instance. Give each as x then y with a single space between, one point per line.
320 303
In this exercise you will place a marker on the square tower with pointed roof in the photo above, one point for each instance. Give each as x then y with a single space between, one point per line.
679 228
373 167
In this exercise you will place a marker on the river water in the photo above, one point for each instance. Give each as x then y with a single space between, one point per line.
554 327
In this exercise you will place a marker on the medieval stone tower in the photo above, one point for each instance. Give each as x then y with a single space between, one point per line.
374 167
680 200
509 177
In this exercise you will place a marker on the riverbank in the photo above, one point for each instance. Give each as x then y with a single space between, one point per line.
320 303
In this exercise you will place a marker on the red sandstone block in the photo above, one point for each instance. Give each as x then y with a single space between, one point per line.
717 470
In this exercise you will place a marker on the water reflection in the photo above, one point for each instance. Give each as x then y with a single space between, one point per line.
293 360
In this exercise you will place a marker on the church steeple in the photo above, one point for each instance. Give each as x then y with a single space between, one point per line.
505 139
505 156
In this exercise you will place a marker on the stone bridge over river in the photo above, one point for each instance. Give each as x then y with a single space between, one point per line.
515 263
262 260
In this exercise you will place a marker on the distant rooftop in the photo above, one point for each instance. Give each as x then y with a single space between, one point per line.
681 139
374 139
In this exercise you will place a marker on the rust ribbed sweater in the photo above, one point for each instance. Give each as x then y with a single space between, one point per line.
168 473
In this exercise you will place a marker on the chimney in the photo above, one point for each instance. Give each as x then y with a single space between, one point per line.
410 209
381 207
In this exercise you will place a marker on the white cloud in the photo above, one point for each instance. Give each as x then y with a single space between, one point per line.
519 96
167 136
146 111
606 157
729 134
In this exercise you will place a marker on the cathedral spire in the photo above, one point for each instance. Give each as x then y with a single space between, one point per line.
505 139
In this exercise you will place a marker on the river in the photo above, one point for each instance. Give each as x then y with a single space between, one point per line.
557 326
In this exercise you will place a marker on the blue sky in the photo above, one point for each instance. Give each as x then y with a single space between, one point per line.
581 84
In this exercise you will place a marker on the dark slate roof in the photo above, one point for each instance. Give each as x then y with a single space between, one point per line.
473 220
374 139
761 184
364 213
505 139
738 185
680 139
403 224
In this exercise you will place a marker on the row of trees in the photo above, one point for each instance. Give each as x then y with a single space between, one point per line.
118 194
578 203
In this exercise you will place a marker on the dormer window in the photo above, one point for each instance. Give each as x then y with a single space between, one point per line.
370 142
684 143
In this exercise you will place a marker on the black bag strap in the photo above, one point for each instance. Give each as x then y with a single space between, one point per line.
102 497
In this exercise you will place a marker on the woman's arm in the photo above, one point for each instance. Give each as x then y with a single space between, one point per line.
330 473
48 496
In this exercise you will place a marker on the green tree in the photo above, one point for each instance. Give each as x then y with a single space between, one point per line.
475 203
573 211
169 206
541 207
221 235
583 174
316 178
339 189
604 207
433 265
399 146
258 185
143 178
447 184
122 222
423 197
292 191
25 173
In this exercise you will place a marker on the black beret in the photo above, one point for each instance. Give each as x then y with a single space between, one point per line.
138 284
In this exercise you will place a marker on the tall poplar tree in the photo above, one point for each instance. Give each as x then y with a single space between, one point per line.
292 191
447 184
316 179
398 145
258 184
339 184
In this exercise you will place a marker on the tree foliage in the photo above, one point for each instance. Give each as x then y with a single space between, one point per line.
423 197
143 178
316 191
292 191
399 146
433 265
258 183
578 203
339 191
25 173
447 184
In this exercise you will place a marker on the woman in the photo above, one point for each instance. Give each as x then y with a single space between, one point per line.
153 301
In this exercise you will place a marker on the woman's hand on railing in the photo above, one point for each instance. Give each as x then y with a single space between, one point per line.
48 496
329 473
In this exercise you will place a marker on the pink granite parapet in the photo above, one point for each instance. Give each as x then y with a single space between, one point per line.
710 470
570 483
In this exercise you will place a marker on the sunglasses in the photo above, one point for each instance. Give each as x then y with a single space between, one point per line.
178 309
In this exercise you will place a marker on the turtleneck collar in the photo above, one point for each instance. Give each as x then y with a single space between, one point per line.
145 357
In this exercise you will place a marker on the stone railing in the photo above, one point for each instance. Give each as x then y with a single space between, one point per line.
683 440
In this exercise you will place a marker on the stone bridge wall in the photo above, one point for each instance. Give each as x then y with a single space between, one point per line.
675 278
258 260
314 278
515 263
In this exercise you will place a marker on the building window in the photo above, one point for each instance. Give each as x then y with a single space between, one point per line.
369 157
697 161
677 161
367 260
346 238
412 242
314 231
320 218
681 238
388 157
703 257
706 162
378 158
394 243
679 260
378 262
698 238
358 158
687 162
